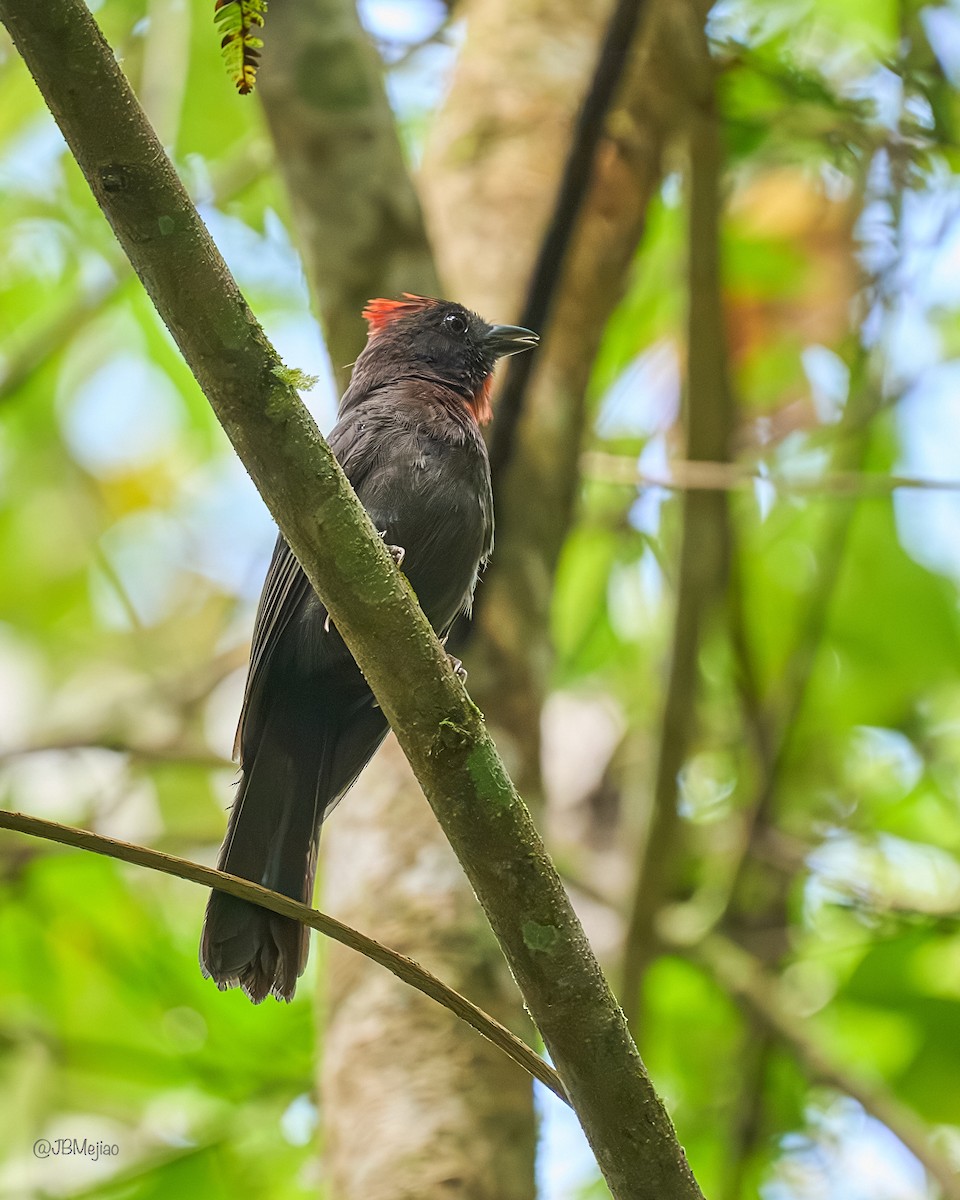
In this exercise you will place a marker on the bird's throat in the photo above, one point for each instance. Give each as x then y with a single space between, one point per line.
480 405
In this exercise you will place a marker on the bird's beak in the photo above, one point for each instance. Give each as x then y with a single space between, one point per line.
510 339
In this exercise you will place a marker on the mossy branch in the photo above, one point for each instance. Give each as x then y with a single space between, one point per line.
440 730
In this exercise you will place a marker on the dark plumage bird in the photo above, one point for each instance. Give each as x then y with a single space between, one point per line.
408 438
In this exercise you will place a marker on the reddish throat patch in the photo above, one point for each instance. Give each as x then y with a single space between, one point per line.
381 312
480 405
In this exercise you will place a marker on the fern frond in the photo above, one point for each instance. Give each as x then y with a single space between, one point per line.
238 20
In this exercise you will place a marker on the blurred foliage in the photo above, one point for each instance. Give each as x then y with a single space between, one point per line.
839 128
133 548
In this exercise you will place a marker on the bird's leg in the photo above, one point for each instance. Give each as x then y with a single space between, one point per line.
458 668
397 553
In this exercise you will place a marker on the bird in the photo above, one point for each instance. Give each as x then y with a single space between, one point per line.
408 437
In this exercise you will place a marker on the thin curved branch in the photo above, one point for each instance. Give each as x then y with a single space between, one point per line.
404 968
574 185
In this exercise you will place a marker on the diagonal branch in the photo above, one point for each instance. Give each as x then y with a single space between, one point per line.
404 968
440 730
574 186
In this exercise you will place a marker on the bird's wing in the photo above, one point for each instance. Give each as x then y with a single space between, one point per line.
284 590
286 587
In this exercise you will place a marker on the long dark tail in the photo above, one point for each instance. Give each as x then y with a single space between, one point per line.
302 764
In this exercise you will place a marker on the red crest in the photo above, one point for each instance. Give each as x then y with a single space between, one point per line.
380 313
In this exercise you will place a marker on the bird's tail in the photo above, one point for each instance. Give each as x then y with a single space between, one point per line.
296 775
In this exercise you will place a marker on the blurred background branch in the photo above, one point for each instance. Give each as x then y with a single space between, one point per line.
686 475
745 979
704 550
578 173
357 215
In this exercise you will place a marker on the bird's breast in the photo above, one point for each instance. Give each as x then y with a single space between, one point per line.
432 497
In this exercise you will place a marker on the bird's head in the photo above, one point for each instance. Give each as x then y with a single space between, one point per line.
442 341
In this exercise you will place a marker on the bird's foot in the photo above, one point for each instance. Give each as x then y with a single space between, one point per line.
397 553
458 668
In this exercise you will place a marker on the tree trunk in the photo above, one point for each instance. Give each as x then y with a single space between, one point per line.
415 1106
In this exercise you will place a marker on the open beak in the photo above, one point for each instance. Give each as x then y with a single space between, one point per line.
510 339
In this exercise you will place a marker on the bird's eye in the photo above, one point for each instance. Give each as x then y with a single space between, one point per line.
455 323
